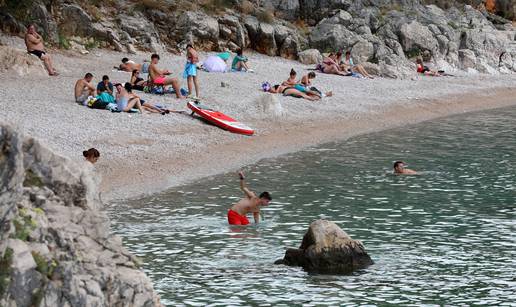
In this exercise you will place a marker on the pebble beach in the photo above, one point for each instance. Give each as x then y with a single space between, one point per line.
147 153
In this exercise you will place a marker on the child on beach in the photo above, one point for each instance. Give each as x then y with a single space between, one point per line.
91 155
240 62
190 72
291 81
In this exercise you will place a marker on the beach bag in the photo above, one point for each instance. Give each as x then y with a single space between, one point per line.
266 86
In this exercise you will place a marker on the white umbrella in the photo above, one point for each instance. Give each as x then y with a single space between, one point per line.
214 64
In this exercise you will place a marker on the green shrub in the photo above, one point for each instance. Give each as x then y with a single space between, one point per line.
5 270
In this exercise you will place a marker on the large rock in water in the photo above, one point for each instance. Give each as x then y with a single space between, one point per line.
55 244
327 249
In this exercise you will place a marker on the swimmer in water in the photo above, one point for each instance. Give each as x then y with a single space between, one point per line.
249 204
399 169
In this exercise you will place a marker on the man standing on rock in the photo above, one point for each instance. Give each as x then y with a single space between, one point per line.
157 76
249 204
34 43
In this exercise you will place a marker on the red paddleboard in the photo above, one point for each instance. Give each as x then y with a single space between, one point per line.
219 119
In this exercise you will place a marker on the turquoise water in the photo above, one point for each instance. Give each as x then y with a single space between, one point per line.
444 237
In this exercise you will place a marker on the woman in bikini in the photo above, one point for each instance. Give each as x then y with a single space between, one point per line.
348 62
421 68
306 82
137 82
291 91
330 66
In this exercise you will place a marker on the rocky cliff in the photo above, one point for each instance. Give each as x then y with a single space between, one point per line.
55 244
387 34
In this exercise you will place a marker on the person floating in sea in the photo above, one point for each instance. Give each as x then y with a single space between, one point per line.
237 215
91 155
399 169
34 43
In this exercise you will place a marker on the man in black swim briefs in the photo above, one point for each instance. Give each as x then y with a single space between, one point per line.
34 43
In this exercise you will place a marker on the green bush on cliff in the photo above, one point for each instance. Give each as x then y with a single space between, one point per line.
5 270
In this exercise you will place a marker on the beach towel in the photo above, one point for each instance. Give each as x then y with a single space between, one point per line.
190 70
214 64
224 55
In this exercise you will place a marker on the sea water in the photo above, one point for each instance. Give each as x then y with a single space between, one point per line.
446 236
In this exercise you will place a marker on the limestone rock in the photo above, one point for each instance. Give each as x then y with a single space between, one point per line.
270 105
415 36
54 238
20 62
326 248
362 51
467 58
310 56
198 28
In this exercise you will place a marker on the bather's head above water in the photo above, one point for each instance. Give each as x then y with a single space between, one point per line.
399 169
265 198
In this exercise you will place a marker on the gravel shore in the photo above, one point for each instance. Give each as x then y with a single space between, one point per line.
142 154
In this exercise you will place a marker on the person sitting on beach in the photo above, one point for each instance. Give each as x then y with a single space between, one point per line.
292 80
105 86
251 203
292 91
240 62
399 169
137 82
157 76
84 89
306 82
145 105
190 72
91 155
421 68
356 68
129 65
34 43
330 66
124 101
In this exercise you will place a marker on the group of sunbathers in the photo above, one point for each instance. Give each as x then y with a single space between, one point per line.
297 88
336 65
123 101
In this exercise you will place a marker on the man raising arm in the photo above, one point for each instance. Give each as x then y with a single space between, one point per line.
237 215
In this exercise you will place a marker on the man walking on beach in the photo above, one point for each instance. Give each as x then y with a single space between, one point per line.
34 43
249 204
399 169
157 76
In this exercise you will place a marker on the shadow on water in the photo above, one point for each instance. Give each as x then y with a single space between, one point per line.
443 237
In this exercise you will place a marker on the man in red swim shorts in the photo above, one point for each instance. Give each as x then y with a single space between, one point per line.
250 203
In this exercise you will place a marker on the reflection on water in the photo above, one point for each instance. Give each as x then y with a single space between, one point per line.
444 237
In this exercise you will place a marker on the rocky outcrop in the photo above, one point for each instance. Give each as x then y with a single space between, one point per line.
389 34
310 56
20 62
327 249
55 244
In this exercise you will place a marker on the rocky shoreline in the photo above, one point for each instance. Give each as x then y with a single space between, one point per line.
56 247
